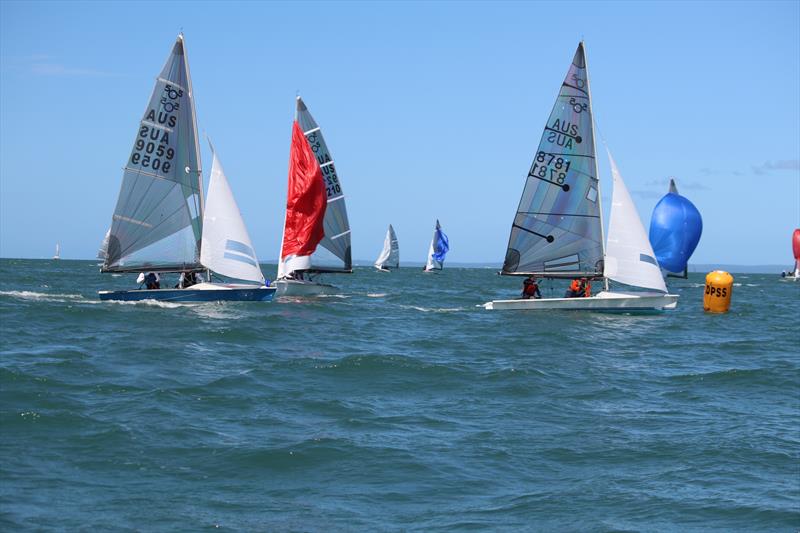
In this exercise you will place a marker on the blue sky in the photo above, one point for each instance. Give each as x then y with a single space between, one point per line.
431 110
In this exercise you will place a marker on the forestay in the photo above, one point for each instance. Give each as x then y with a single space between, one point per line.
390 255
557 227
157 221
336 225
629 256
226 246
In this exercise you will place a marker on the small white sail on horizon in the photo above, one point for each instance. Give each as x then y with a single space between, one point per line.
58 251
225 246
390 255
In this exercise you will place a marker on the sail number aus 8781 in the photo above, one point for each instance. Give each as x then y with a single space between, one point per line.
550 167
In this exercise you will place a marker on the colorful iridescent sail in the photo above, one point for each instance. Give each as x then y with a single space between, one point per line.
337 227
557 230
157 222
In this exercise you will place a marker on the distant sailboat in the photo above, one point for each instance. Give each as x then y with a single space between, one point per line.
316 232
795 274
438 249
58 252
160 223
675 229
558 228
389 257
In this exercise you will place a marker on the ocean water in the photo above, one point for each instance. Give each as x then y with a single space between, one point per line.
397 405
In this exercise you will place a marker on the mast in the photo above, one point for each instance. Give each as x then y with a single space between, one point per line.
199 171
596 169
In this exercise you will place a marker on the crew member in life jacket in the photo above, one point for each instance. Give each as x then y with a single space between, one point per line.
530 289
579 288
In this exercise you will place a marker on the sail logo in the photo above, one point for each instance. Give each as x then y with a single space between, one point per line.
239 251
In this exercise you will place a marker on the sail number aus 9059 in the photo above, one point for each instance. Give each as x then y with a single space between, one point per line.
549 167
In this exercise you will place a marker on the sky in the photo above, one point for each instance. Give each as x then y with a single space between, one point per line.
431 110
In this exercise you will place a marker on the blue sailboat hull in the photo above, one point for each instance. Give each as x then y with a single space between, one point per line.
225 293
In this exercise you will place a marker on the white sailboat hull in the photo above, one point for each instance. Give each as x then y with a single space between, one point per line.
602 301
294 287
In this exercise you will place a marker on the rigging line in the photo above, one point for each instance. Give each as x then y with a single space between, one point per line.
565 84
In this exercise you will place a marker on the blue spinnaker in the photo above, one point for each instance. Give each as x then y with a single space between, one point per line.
442 245
675 229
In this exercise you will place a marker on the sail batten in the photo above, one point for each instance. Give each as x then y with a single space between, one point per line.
558 214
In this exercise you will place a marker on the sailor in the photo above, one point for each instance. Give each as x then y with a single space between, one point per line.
186 280
152 281
530 289
586 288
574 290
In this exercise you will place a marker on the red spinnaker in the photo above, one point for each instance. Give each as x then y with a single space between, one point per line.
796 245
306 199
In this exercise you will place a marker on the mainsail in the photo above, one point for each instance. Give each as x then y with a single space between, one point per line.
390 255
675 229
629 256
557 230
438 249
226 246
157 222
337 228
305 207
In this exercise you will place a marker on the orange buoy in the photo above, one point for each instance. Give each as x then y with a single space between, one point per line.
719 290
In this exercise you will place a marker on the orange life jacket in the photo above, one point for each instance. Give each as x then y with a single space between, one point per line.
588 291
575 286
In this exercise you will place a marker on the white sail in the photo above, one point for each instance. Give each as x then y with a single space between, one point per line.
226 247
432 263
390 255
58 252
629 257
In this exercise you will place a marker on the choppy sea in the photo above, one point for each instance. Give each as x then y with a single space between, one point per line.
397 405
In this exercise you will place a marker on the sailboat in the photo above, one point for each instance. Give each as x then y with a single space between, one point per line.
316 232
675 229
794 275
160 223
438 249
557 230
389 257
58 252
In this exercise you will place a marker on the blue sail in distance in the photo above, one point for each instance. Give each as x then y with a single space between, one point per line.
442 245
675 229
